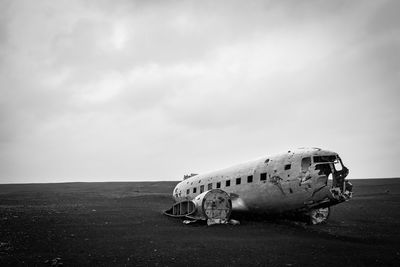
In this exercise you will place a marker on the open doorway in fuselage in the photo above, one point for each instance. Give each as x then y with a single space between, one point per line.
325 173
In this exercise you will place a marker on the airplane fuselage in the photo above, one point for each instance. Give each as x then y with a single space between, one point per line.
298 180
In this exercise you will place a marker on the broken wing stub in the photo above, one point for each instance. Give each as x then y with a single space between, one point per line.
214 206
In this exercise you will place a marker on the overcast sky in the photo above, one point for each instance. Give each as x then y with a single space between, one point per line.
152 90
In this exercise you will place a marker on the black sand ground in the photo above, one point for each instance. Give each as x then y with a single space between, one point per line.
103 224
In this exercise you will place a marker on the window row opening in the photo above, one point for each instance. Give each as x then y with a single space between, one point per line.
237 181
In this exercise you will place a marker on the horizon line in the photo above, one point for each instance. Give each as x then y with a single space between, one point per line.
149 181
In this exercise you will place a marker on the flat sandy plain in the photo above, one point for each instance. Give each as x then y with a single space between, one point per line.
103 224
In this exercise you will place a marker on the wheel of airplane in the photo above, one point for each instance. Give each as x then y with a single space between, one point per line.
318 216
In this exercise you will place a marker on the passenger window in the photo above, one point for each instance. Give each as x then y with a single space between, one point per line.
263 176
238 180
219 185
287 167
201 189
194 189
187 192
209 186
305 164
338 165
250 178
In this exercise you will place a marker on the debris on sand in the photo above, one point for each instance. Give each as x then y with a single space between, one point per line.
5 247
54 262
212 222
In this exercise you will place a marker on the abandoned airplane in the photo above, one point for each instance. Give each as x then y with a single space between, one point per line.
306 181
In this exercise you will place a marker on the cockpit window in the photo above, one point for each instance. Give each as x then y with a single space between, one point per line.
318 159
338 165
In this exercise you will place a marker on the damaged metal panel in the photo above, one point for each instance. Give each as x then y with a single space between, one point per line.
214 205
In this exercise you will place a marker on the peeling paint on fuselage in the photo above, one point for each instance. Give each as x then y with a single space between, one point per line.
286 186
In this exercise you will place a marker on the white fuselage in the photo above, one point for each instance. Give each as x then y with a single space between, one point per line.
287 181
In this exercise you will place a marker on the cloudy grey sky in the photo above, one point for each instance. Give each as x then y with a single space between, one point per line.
151 90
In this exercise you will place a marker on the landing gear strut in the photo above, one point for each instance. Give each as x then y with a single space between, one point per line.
318 216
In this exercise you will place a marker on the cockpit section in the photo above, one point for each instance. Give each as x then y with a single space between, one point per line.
331 167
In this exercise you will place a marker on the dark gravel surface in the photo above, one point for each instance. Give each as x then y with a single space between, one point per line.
121 224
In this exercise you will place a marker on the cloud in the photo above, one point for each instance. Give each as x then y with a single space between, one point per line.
101 90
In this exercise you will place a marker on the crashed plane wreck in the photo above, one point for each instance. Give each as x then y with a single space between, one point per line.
305 181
